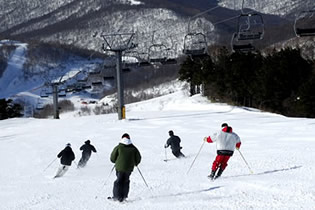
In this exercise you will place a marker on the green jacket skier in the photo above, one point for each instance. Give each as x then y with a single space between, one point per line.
125 156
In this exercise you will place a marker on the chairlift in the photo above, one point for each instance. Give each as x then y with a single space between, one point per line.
170 57
241 45
62 88
43 93
78 88
98 72
97 83
157 53
130 59
69 88
195 44
62 93
144 60
250 27
170 61
144 63
304 24
82 80
108 78
86 87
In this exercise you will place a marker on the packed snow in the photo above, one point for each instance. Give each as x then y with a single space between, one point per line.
279 150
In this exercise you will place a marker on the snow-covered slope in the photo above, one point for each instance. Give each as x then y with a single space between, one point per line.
278 149
269 6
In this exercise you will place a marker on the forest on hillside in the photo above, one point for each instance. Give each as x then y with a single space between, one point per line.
281 81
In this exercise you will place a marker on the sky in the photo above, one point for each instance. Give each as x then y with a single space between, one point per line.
278 149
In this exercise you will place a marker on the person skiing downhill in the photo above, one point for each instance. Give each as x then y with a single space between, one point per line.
174 141
87 149
66 157
125 156
226 141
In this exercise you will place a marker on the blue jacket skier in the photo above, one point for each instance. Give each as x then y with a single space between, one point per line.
174 142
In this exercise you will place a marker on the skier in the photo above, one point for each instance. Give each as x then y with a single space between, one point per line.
226 141
174 141
87 149
66 157
125 156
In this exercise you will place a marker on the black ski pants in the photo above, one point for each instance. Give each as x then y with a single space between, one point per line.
178 153
121 185
84 159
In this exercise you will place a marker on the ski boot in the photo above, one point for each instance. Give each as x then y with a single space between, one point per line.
211 176
219 173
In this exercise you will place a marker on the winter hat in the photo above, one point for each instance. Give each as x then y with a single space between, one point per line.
171 133
125 139
68 145
126 135
224 125
87 142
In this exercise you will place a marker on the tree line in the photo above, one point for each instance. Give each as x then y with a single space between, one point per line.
281 81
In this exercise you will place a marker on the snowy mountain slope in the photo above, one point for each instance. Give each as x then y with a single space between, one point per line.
278 150
74 22
15 78
275 7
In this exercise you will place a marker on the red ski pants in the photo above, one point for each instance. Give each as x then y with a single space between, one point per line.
220 161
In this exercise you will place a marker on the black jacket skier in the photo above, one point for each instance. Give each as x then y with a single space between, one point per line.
66 155
87 149
174 141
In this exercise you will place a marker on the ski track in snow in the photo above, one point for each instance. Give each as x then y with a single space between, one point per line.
280 151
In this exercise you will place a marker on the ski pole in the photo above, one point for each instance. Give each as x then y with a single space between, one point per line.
50 164
245 162
195 157
110 173
165 155
142 177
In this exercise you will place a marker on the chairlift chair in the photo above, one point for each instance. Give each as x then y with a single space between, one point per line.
62 93
195 44
130 59
87 87
144 63
82 80
241 45
170 61
43 93
107 78
170 57
157 53
95 72
304 24
250 27
143 59
97 83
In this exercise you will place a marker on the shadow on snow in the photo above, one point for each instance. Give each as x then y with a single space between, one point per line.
265 172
